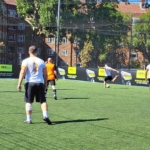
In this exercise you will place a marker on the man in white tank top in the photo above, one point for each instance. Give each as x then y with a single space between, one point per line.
147 75
108 75
34 71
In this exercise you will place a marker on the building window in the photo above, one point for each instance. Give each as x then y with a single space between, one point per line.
2 49
4 21
21 38
10 50
19 61
75 64
134 56
134 20
2 60
9 61
120 55
4 9
64 40
20 50
51 40
21 26
62 63
0 34
64 53
50 52
28 37
11 27
38 51
12 13
4 35
11 37
76 53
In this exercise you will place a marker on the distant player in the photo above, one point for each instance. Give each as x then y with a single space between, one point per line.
51 76
147 78
108 75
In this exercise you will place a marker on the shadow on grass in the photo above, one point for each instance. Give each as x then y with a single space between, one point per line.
12 91
122 88
11 133
65 89
74 98
79 120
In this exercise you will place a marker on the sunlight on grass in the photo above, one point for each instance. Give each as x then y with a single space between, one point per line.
86 117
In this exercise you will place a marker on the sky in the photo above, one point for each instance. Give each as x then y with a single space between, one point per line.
137 1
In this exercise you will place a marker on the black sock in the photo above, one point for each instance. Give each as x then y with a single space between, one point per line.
54 91
46 91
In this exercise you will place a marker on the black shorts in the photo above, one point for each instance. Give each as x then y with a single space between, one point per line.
52 82
148 80
34 90
108 78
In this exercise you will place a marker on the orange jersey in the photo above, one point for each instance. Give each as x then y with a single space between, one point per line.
50 71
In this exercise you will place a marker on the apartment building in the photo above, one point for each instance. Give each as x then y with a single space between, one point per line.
18 35
3 30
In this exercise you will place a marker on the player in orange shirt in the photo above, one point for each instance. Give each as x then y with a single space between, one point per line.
51 76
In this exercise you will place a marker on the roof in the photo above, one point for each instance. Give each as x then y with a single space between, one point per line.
134 9
10 2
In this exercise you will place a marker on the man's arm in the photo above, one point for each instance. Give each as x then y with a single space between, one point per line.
101 67
55 73
45 76
21 76
115 70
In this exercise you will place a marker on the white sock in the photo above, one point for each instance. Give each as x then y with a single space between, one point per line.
45 114
29 117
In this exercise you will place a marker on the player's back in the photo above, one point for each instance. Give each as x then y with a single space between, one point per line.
35 68
108 70
50 71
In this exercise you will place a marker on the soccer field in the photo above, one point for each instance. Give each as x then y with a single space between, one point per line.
86 117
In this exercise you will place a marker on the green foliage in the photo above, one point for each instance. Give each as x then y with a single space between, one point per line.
102 57
135 64
85 53
104 28
141 36
2 44
44 13
109 32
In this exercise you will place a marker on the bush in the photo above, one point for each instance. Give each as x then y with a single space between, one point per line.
135 64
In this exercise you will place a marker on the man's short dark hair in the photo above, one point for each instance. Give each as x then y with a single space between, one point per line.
33 49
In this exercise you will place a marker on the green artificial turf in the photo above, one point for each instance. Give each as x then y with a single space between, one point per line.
86 117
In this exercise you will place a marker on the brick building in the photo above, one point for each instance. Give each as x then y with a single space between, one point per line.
136 10
17 36
3 30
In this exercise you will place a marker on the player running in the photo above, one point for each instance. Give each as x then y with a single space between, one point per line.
51 76
108 75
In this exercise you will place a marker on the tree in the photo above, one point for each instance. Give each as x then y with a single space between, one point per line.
85 54
108 28
141 35
76 16
42 15
2 44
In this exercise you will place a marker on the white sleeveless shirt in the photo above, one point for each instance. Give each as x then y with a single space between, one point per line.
35 68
